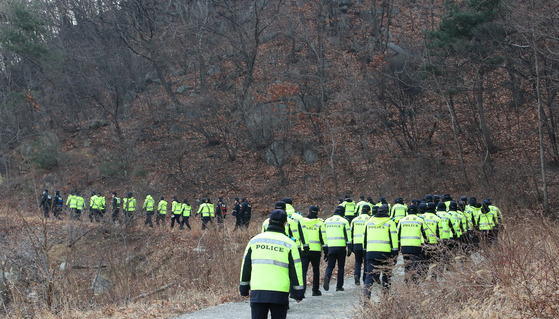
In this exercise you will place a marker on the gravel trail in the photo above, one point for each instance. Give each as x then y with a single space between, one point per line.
332 303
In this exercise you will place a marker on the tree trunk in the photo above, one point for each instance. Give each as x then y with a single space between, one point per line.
478 94
540 130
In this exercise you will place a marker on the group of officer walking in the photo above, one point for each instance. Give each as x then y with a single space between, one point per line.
181 211
425 231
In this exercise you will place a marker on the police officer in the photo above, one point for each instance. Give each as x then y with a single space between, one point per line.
186 212
161 211
115 208
46 203
205 212
411 237
236 212
221 211
246 211
359 205
93 207
350 208
149 207
357 230
433 231
297 227
314 226
72 202
129 207
337 239
57 205
399 210
381 245
176 209
101 203
485 221
271 266
80 205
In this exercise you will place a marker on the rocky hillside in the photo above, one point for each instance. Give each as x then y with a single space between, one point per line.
265 99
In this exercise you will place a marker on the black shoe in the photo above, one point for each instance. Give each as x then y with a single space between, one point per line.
357 280
326 283
317 293
340 289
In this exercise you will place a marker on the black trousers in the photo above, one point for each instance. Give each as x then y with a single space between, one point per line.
160 217
313 257
46 211
77 214
413 267
340 259
149 215
260 310
175 219
115 217
379 271
185 221
358 264
238 220
205 221
95 214
56 211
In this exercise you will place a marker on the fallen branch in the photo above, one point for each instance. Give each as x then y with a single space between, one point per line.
160 289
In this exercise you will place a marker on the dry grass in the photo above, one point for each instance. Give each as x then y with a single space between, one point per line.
518 278
163 273
154 273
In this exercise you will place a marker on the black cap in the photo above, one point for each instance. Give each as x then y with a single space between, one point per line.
453 206
412 210
464 198
57 192
399 200
366 209
287 200
428 198
236 198
375 209
382 210
313 209
431 206
244 199
446 197
340 210
488 200
278 217
279 205
441 207
114 193
422 207
46 190
370 199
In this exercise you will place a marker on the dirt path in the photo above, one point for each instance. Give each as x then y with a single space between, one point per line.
332 304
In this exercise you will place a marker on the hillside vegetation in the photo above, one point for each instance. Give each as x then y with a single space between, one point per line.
311 99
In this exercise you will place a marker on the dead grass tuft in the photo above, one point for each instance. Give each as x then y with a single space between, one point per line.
517 278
